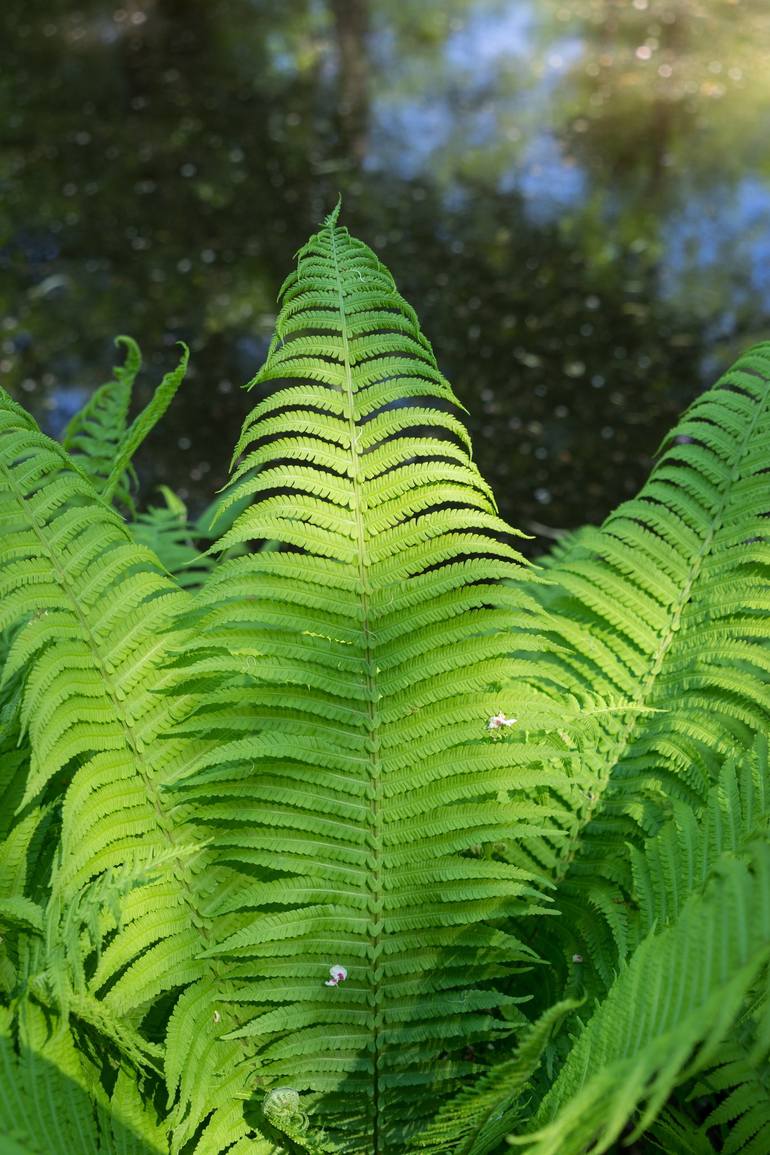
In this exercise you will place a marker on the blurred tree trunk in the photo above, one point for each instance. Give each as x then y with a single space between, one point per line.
351 28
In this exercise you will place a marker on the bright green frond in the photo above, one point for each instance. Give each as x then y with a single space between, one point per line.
351 673
92 617
666 606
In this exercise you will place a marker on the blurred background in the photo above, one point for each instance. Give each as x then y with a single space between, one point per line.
574 195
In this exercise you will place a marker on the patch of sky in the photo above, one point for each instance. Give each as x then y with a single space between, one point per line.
560 58
405 135
491 35
63 403
548 181
724 232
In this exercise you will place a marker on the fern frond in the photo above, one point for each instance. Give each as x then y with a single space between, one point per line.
664 1017
95 433
145 422
167 531
688 848
674 864
101 443
350 674
674 1133
478 1119
92 614
52 1102
666 606
742 1080
283 1119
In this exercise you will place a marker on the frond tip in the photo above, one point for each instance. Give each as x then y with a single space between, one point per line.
331 219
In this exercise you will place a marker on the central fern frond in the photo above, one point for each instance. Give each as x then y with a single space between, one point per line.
351 670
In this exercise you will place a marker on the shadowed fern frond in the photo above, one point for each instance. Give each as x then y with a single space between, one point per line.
665 1016
688 848
480 1116
52 1101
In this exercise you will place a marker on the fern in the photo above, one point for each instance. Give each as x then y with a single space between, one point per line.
665 607
52 1101
665 1016
284 827
351 675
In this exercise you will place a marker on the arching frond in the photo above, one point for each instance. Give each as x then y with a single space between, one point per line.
101 442
93 618
145 422
666 606
353 675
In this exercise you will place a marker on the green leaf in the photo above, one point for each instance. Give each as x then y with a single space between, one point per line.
145 422
665 1015
348 676
52 1103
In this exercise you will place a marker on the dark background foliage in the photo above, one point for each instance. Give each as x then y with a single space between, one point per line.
574 195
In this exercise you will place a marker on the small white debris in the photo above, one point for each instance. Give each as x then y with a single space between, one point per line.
499 720
338 973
